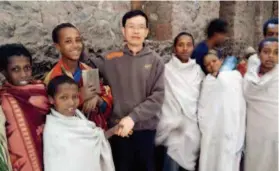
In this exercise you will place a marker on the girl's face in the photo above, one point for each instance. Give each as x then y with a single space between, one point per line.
184 48
269 55
19 70
66 99
212 63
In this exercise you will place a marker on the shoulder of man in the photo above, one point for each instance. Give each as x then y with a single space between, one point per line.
114 54
152 53
157 59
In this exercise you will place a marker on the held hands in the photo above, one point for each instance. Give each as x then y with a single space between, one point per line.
126 125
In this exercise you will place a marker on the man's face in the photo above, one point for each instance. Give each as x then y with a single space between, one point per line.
70 43
269 55
135 30
272 31
19 70
66 99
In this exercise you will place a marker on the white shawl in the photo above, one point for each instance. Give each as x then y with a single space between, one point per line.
261 94
178 128
75 144
253 63
221 114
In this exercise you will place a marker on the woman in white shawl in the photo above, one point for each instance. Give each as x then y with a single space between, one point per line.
221 115
178 129
71 142
261 93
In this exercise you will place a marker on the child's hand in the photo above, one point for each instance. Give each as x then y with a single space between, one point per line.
90 104
88 92
39 101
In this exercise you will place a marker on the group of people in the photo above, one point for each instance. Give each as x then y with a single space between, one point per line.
201 114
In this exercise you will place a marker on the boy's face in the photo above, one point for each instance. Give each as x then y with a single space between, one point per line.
212 63
272 31
70 43
269 55
19 70
184 48
135 30
220 38
66 99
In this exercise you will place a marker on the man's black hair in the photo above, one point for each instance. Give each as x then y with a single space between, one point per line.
183 34
269 39
56 30
270 21
9 50
216 26
56 81
132 14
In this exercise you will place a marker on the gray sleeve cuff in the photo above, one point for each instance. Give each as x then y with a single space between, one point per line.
134 117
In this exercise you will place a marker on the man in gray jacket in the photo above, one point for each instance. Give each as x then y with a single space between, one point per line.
136 77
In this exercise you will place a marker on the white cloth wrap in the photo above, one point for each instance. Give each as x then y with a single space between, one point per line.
221 115
261 94
178 128
75 144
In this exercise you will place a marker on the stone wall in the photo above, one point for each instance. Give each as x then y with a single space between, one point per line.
262 14
159 13
31 23
193 16
244 25
275 9
246 19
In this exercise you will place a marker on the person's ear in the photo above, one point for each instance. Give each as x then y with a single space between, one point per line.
146 32
123 31
51 100
5 73
173 50
57 46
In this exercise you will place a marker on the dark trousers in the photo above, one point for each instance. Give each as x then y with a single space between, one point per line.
135 153
160 157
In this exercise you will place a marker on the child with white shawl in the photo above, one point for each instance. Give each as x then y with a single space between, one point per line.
270 29
71 142
261 93
221 115
178 128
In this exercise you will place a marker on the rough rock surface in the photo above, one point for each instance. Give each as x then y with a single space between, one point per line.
193 16
248 21
31 23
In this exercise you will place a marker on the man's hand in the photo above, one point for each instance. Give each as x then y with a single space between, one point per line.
126 125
